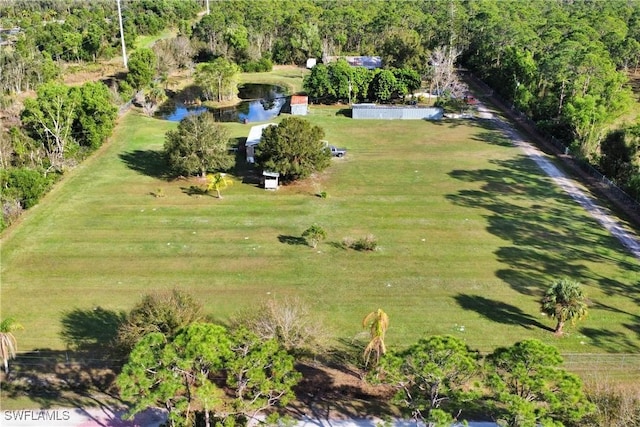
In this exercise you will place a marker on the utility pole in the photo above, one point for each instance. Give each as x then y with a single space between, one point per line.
207 7
124 48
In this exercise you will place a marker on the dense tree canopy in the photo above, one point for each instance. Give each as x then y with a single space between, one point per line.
564 64
199 145
294 148
192 372
142 68
95 115
433 373
49 119
530 388
64 119
218 79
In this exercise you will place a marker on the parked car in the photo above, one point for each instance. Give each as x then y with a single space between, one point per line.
337 152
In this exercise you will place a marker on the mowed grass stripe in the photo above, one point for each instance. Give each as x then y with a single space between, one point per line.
470 233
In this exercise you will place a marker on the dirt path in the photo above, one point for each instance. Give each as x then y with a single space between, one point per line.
605 217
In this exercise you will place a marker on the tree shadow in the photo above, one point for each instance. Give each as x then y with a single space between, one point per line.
338 245
292 240
195 190
147 162
494 138
541 237
345 112
610 341
633 326
324 392
53 378
90 330
498 311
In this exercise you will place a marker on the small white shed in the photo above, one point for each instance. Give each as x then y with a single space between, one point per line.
270 180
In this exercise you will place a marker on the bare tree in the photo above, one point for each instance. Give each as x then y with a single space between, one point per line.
289 321
6 150
444 77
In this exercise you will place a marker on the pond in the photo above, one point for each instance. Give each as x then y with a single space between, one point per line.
260 103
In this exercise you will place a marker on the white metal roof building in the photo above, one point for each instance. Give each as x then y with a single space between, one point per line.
255 135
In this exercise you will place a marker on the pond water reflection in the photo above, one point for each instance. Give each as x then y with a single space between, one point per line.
260 103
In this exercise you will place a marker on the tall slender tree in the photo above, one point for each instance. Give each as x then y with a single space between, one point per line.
377 322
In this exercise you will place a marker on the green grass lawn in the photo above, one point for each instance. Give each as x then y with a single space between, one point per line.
287 77
470 233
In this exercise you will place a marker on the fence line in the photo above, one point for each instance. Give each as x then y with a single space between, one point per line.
629 362
626 363
616 191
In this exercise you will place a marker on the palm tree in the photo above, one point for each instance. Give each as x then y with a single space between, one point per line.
564 300
314 234
377 322
218 181
8 343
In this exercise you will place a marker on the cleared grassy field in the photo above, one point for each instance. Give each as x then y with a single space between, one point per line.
470 234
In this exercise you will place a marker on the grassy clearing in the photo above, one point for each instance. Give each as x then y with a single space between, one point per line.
289 77
470 234
147 41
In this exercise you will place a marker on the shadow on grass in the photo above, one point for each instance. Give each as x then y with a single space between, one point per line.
338 245
148 162
493 138
292 240
543 238
345 112
610 341
498 311
195 190
63 378
246 172
91 330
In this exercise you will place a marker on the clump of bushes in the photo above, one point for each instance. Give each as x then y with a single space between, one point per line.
263 65
366 243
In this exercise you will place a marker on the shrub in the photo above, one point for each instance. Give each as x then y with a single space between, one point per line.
164 312
11 211
26 185
366 243
289 322
263 65
126 91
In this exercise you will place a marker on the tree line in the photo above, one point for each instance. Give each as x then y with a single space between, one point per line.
564 64
207 373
